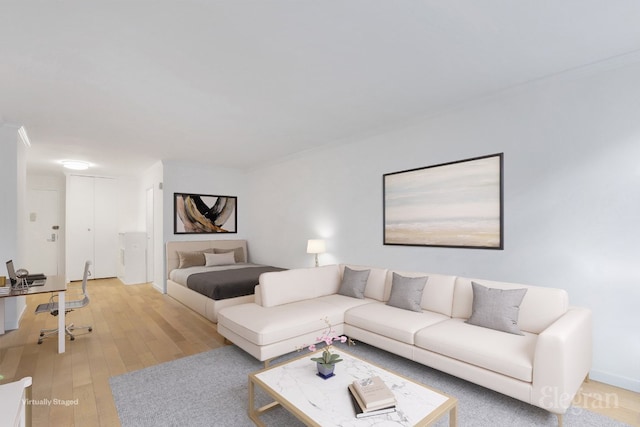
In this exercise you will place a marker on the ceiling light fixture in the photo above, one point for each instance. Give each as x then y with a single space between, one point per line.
76 165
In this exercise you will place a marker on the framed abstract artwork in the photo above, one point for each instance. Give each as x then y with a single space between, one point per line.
456 204
203 213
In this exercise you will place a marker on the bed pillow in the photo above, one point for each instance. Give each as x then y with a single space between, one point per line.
219 259
496 308
406 292
238 253
191 259
353 283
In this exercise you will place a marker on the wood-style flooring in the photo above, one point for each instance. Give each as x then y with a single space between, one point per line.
135 327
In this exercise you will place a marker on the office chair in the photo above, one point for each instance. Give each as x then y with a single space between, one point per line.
52 308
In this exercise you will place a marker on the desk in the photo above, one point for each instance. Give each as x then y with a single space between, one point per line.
54 284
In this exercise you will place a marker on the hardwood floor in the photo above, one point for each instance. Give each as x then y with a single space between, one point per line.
135 327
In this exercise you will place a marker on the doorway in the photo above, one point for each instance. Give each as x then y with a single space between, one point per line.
43 232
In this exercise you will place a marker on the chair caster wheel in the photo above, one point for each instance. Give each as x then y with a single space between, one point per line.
90 329
41 334
39 341
72 338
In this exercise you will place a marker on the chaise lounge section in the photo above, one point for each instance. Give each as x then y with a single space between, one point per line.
541 354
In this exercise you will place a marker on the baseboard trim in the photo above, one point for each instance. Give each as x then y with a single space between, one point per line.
616 380
158 288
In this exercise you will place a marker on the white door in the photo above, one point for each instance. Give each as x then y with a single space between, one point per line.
150 235
42 232
105 221
79 241
92 220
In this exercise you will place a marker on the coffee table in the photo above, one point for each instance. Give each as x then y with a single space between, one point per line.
295 386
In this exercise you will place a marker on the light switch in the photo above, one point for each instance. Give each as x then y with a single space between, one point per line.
32 217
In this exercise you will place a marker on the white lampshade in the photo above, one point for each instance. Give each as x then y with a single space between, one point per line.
316 246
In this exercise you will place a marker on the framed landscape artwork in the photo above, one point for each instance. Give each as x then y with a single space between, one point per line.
456 204
203 213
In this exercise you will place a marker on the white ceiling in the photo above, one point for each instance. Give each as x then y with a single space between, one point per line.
123 84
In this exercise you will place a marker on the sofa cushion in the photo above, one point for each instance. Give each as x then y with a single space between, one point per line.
344 302
283 287
406 292
375 282
507 354
391 322
437 295
353 283
496 308
268 325
539 309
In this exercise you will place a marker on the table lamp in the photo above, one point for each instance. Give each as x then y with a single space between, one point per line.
316 246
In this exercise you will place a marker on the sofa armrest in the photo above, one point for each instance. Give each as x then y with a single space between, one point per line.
562 360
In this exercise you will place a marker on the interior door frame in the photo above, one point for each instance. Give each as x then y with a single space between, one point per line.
57 184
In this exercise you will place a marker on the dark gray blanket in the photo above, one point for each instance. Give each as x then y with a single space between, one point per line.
225 284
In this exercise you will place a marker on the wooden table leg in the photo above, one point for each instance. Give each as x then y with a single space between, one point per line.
453 416
254 413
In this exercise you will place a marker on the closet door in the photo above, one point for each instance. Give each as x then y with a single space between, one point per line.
79 224
92 226
106 228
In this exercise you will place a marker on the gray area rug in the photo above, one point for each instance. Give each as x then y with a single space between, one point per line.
210 389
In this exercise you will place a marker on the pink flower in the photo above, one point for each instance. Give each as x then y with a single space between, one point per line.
329 336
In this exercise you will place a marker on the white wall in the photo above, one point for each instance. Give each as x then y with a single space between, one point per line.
13 213
153 178
571 206
131 206
179 177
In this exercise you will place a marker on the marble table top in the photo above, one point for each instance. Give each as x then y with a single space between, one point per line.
327 402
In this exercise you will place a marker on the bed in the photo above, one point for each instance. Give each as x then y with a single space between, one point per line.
218 286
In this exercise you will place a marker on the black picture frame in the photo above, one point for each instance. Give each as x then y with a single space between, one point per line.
204 214
457 204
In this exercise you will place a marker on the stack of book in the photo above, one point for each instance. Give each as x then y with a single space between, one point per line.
371 396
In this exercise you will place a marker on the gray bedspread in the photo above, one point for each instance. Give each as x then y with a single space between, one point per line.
225 284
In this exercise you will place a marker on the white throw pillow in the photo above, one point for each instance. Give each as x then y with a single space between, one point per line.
219 259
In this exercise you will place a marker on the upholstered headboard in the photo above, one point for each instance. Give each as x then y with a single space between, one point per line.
173 260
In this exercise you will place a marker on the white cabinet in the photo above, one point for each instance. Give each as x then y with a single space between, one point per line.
91 223
133 258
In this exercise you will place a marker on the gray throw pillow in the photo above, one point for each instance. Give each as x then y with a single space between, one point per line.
353 283
406 292
496 308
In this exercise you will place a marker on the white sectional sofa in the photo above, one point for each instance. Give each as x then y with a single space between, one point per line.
544 366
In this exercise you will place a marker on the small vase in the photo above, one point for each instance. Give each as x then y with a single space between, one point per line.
325 371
